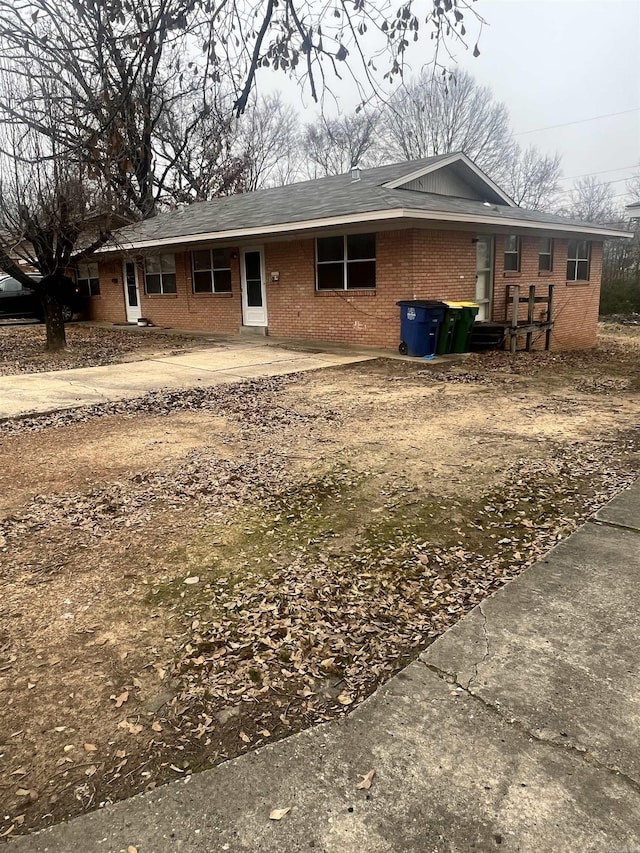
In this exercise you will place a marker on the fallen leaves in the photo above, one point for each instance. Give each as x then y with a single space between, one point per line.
132 728
278 814
28 793
306 625
22 348
121 699
367 779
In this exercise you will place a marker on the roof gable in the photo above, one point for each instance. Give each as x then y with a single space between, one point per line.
454 175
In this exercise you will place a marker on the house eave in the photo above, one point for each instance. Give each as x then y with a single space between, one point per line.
396 215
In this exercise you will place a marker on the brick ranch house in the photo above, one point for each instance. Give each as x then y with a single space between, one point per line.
328 259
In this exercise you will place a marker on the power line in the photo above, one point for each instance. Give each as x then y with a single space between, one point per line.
618 195
603 172
579 121
602 183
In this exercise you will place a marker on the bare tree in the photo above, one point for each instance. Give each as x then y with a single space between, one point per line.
633 187
592 200
108 72
533 179
114 68
439 114
268 141
52 215
333 146
202 159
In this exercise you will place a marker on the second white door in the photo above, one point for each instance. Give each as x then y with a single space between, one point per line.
131 291
484 276
254 296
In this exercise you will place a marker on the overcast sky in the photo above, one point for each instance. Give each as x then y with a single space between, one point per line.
554 62
558 61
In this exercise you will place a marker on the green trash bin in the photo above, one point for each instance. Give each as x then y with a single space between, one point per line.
448 327
462 329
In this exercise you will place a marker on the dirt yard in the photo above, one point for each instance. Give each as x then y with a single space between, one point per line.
22 347
191 575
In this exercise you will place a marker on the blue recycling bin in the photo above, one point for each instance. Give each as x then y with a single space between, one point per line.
420 321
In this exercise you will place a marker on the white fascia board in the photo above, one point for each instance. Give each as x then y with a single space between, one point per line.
260 231
505 222
359 219
449 161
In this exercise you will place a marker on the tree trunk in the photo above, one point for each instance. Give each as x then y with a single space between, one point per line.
56 337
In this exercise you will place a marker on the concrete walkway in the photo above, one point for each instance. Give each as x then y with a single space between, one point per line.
517 731
36 393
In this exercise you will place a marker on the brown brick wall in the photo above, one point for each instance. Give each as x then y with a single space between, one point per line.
575 303
109 306
411 264
216 312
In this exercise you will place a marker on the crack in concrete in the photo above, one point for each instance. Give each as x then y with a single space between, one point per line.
487 652
615 525
520 725
73 382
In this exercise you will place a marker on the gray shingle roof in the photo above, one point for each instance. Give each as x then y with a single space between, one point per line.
320 199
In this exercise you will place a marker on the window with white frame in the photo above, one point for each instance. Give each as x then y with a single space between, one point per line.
545 256
578 260
160 274
346 263
88 279
211 270
512 253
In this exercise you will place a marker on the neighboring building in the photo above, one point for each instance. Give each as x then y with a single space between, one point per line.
328 259
634 210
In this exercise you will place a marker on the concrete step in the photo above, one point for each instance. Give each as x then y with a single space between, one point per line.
253 331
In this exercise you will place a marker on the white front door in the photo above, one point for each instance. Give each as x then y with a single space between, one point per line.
254 296
484 276
131 291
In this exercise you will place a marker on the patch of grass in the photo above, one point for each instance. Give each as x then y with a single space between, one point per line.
264 537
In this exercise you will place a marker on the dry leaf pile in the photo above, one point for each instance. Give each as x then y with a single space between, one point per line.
252 401
22 347
328 627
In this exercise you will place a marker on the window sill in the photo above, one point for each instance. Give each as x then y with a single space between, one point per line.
209 295
545 273
578 283
512 274
161 295
360 291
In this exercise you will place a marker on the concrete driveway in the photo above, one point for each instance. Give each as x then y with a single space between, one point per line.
38 393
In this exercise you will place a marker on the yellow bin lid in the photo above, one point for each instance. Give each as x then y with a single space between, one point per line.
462 304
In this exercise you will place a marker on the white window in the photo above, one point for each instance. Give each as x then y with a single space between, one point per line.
545 257
88 279
578 260
346 263
160 274
512 253
211 271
